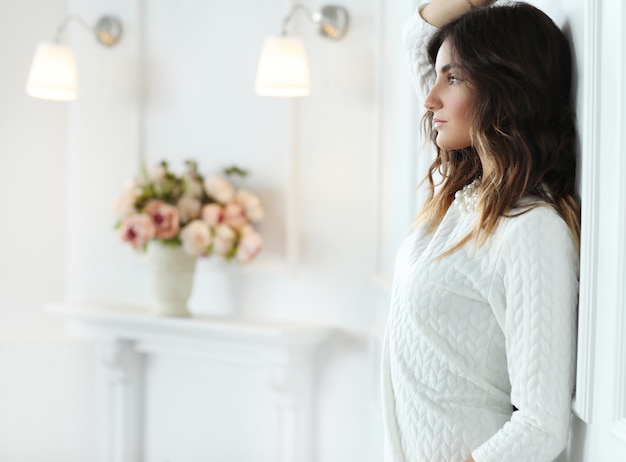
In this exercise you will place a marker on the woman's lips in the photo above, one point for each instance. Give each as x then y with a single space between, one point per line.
438 122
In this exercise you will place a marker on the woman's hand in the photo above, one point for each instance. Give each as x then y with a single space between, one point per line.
439 12
470 459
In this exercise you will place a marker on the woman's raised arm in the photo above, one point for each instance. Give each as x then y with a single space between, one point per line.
439 12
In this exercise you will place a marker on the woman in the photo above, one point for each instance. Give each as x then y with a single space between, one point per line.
479 352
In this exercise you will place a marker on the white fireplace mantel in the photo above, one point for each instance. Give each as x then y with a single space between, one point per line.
124 335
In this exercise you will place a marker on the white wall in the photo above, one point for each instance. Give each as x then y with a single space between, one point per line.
45 388
603 435
70 170
33 146
180 85
196 66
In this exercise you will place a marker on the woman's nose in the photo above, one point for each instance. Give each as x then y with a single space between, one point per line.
432 101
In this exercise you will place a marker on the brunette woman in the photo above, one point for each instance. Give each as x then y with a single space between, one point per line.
479 352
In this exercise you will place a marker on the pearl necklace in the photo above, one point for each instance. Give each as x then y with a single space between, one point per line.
467 198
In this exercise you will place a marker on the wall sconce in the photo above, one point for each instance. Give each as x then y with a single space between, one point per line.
52 73
283 68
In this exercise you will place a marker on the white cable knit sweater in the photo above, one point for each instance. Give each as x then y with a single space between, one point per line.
471 334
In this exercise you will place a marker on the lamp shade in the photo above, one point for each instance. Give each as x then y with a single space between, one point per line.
53 73
283 68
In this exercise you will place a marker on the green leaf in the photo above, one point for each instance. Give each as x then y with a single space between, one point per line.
234 170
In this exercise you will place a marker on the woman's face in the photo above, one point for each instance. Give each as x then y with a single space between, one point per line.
450 100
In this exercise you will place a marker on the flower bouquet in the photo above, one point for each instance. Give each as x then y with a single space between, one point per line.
203 215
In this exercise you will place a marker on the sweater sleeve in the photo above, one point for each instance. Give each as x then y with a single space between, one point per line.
416 34
539 266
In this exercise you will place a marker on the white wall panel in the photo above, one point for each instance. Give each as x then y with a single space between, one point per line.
201 60
180 85
603 437
618 429
401 164
45 389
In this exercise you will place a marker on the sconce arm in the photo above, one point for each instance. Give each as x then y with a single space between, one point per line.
108 29
294 8
333 20
65 22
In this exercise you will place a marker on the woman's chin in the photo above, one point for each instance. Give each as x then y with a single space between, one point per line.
450 145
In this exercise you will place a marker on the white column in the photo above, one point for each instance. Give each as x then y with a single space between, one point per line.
120 401
293 386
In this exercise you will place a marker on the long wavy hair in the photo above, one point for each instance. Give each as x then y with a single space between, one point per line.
518 64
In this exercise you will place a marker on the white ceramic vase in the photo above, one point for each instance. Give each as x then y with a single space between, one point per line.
172 272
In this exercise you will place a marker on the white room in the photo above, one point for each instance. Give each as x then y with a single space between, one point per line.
279 359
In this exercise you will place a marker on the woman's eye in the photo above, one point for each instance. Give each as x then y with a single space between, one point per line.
453 79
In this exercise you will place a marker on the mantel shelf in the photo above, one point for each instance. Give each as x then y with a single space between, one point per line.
135 323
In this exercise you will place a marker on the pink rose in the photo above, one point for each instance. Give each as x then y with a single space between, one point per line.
234 215
165 219
196 237
224 239
188 208
213 214
138 230
255 213
251 204
250 245
219 189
